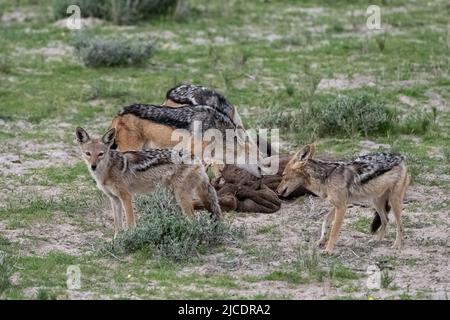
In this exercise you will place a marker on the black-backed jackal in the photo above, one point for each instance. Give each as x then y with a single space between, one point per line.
189 94
381 178
121 174
141 126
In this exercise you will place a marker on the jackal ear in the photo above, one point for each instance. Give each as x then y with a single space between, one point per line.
109 136
82 135
306 153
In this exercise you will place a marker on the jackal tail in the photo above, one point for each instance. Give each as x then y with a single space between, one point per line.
178 118
376 222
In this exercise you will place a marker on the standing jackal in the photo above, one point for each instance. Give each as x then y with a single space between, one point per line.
381 178
121 174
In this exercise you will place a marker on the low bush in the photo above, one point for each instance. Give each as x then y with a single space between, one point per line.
350 115
88 8
118 11
344 116
163 228
109 52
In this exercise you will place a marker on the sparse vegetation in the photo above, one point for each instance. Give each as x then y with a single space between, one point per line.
109 52
308 260
348 89
386 279
162 227
45 294
346 116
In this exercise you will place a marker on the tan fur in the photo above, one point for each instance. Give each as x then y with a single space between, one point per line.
339 190
188 182
134 133
171 103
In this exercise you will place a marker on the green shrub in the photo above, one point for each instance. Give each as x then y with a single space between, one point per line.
118 11
345 115
350 115
128 12
45 294
163 228
105 52
88 8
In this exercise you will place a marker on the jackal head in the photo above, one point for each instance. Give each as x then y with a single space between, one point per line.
246 156
95 152
295 173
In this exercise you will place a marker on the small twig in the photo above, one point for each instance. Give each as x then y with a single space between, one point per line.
355 253
114 256
19 268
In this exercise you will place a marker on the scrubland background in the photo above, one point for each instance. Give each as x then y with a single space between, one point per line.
309 68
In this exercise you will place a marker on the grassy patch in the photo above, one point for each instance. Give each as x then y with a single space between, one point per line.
309 266
362 224
270 229
347 116
341 272
26 208
66 174
6 270
287 276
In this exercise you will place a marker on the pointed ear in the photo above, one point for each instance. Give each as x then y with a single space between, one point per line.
306 153
82 135
109 136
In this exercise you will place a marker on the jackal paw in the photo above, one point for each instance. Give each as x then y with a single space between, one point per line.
327 251
397 245
321 242
380 236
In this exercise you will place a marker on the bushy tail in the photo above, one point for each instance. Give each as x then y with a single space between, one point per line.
376 222
175 117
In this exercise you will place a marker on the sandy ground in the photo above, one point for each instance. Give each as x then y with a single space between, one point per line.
422 265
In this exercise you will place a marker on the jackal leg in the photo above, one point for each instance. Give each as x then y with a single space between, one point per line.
117 214
397 208
185 201
127 204
380 205
337 224
209 198
326 226
396 200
